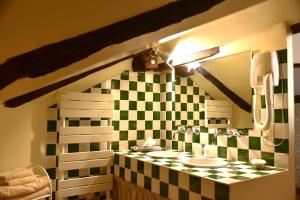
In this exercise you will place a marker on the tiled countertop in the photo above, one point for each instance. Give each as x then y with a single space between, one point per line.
233 172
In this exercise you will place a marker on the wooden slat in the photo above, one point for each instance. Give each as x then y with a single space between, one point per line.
217 125
218 109
86 113
63 157
62 166
61 193
86 96
75 182
85 138
217 115
217 103
89 105
86 130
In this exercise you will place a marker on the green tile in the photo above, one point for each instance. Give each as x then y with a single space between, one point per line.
282 87
51 172
164 189
149 87
281 115
123 135
169 77
190 115
51 125
149 106
141 96
94 146
195 91
183 89
175 145
116 159
132 105
51 149
124 95
156 115
122 173
141 77
183 122
141 115
282 55
141 135
222 152
156 97
156 78
221 191
132 125
181 136
178 115
95 123
183 106
116 125
133 177
183 194
177 80
115 84
254 143
147 183
189 82
169 115
95 170
123 115
163 125
125 75
173 177
148 125
196 123
196 138
117 105
169 96
105 91
196 107
156 134
140 166
283 147
263 101
155 172
74 122
190 98
243 155
163 143
177 97
73 173
131 143
169 135
188 147
73 148
132 85
162 87
232 141
202 99
241 178
269 157
203 129
195 184
115 145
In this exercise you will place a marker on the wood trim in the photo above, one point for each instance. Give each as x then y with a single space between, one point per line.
297 98
295 28
296 65
58 55
24 98
225 90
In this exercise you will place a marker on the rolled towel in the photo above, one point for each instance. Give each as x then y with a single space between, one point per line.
22 181
26 189
13 174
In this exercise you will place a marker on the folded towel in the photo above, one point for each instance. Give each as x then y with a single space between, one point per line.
14 173
22 181
34 195
26 189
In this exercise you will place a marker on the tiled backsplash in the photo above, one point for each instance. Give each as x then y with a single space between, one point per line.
152 105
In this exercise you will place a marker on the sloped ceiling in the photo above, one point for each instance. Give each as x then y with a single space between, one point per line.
33 24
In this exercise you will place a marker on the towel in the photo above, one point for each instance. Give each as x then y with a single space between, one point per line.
13 174
7 192
39 193
22 181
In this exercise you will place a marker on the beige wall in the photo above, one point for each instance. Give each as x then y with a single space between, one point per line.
22 136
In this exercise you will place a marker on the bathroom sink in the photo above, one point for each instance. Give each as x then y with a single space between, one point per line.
164 154
204 162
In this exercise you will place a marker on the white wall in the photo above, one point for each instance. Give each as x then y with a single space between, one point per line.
22 136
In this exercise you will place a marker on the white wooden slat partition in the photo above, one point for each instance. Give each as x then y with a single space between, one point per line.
216 109
85 105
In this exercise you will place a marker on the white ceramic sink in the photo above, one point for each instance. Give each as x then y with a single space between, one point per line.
204 162
164 154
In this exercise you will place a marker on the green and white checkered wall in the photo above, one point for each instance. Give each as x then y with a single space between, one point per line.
153 105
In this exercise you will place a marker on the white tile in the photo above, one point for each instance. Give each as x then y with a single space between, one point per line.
183 181
281 130
228 180
243 142
254 154
281 160
149 96
183 115
208 188
164 174
51 138
141 105
156 87
232 153
155 185
133 95
115 93
183 98
140 180
148 115
222 140
156 106
204 138
122 161
173 192
51 161
141 87
188 138
156 125
127 174
194 196
123 145
133 76
124 85
124 105
280 101
147 169
116 170
132 135
123 125
254 133
190 90
140 124
133 164
132 115
148 77
266 147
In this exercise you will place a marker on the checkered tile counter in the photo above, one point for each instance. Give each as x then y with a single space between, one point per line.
174 180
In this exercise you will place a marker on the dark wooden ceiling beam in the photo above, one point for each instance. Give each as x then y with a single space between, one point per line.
58 55
225 90
295 28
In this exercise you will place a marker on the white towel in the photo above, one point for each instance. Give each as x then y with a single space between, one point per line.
26 189
13 174
22 181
